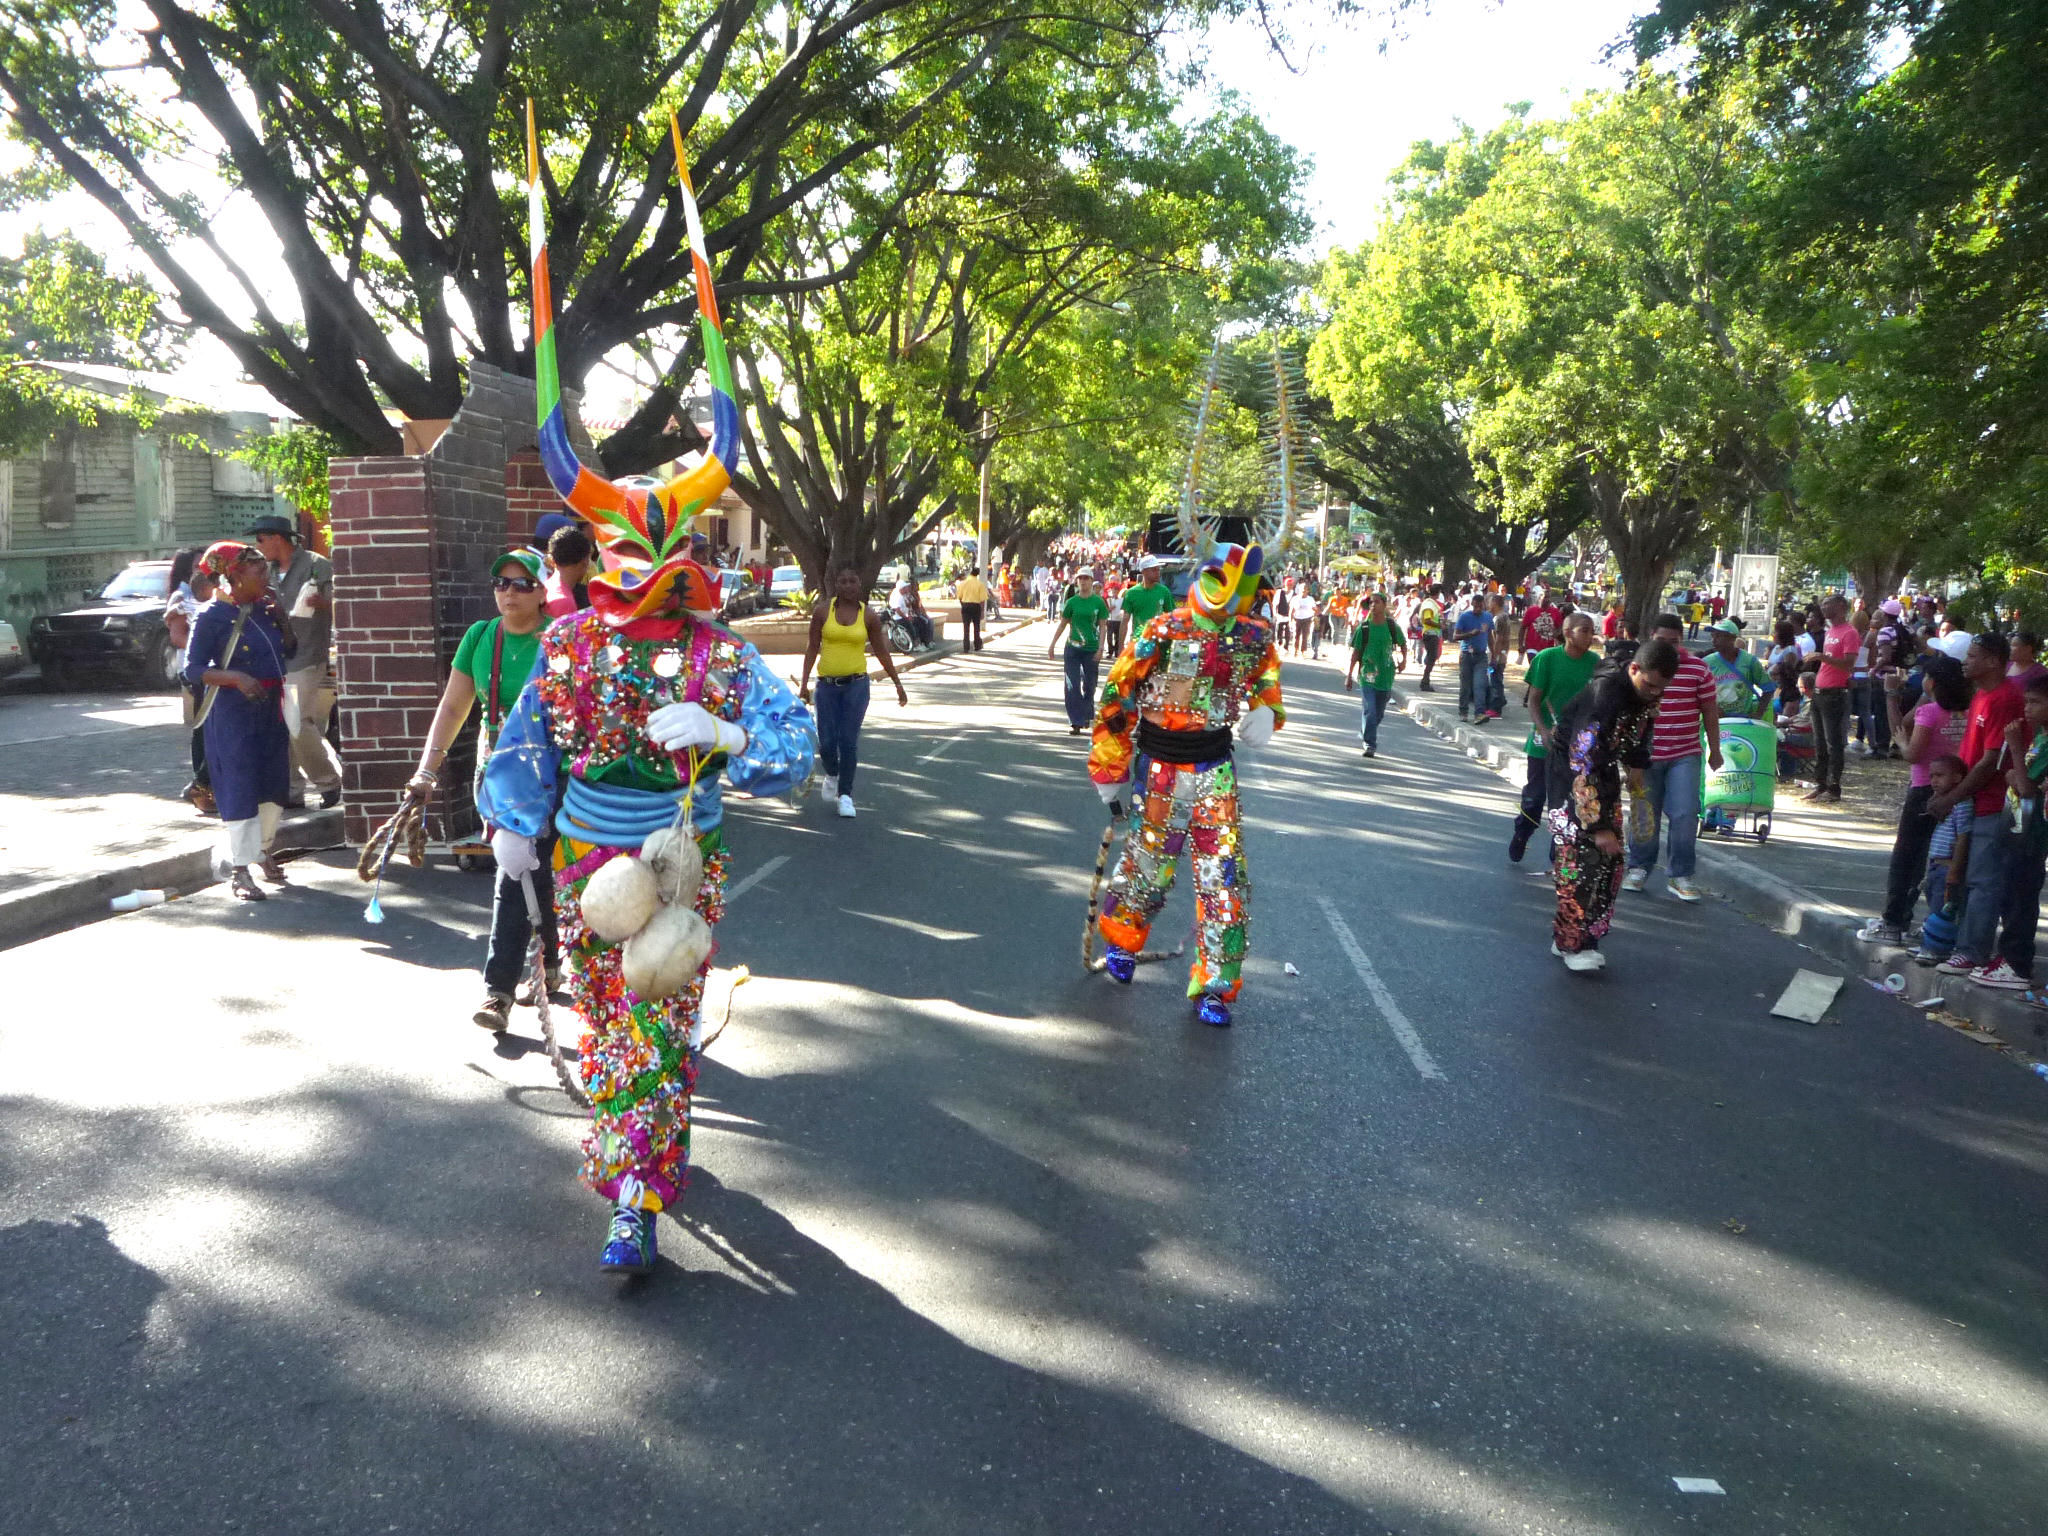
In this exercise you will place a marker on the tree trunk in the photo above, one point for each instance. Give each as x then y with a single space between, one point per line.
1645 535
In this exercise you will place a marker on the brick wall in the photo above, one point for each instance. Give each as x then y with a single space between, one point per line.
413 543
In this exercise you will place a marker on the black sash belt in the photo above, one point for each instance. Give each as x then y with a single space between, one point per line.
1166 746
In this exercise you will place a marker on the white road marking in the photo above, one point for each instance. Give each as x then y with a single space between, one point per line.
756 878
932 756
1397 1021
1699 1485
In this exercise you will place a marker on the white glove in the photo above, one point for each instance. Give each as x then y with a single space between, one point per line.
674 727
514 852
1256 728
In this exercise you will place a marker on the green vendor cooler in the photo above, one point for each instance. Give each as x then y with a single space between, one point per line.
1747 779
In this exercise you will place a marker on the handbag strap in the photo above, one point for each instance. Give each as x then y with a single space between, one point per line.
213 689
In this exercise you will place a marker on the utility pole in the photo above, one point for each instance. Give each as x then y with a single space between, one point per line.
987 452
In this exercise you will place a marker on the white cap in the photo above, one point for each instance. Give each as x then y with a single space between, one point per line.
1149 562
1956 645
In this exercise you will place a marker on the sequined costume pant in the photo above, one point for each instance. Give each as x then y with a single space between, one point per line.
638 1061
1588 881
1191 808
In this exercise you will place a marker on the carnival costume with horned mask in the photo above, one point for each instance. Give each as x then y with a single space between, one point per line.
638 707
1190 684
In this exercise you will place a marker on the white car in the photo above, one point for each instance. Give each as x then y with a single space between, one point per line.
12 657
785 585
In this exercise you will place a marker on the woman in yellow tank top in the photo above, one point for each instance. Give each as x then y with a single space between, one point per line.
843 631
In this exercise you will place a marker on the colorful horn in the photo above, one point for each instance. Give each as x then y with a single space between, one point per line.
643 531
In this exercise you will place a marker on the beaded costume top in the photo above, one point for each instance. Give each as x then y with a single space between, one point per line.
1188 673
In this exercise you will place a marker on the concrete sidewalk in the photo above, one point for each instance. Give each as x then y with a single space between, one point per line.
1818 879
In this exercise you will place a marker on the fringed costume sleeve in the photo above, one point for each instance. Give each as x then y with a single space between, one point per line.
518 789
781 740
1116 719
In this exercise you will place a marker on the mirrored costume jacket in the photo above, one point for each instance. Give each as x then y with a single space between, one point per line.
1191 675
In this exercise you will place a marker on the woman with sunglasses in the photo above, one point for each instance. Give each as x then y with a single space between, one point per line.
493 662
237 653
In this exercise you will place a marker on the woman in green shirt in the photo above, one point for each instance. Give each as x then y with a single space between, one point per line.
1373 645
1081 618
492 663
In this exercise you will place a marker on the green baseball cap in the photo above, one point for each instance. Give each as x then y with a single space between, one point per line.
525 559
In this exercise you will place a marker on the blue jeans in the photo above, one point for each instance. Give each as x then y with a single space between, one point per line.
1082 667
842 703
1674 792
1372 708
1472 685
1990 852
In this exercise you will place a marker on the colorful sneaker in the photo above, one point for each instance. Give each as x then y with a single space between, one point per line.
629 1246
1958 965
1121 964
2000 977
1212 1010
1635 879
1878 931
1682 888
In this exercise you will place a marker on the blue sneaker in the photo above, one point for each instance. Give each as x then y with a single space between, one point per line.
1121 964
629 1246
1213 1010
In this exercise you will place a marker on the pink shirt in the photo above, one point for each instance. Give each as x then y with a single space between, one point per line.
561 602
1947 725
1837 670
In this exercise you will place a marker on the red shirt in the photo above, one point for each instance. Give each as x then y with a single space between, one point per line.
1678 714
1540 626
1838 668
1991 711
1610 626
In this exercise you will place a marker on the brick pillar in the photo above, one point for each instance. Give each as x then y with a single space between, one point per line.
414 538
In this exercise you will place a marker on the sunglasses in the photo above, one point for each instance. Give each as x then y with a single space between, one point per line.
515 584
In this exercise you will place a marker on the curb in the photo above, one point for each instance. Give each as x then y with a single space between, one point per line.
1827 928
38 911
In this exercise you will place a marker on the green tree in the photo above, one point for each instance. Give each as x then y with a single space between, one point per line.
1048 191
382 147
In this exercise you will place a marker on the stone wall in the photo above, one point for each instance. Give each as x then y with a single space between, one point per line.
413 543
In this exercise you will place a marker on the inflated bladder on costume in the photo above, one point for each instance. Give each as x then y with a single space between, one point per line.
1806 997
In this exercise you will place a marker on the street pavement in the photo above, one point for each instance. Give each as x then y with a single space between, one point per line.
1439 1238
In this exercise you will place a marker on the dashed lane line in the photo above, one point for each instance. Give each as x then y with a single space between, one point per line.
756 878
1397 1021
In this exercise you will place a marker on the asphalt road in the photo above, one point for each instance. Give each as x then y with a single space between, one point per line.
1438 1239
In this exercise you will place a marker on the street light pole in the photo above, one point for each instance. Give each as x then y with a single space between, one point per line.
981 543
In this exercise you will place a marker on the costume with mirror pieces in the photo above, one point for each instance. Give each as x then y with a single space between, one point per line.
1605 728
581 724
1164 726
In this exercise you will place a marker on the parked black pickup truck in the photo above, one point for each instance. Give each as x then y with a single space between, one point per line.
121 633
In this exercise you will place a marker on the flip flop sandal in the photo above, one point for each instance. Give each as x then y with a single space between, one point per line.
245 887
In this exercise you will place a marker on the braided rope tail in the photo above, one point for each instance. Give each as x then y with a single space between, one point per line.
537 979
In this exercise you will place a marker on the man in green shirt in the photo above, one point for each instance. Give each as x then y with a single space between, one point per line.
1554 679
1081 619
1148 599
1373 645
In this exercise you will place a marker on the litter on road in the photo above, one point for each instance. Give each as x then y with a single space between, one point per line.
1807 997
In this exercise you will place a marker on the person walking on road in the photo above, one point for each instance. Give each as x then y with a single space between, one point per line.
304 585
844 632
1556 676
1143 603
1429 633
972 592
1080 620
494 660
1687 708
240 652
1497 657
1192 687
1604 730
1474 634
1372 666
